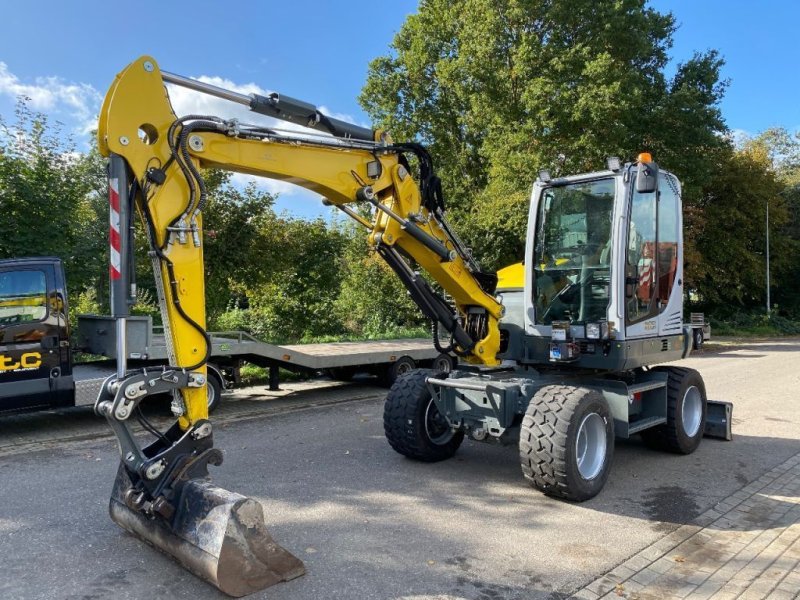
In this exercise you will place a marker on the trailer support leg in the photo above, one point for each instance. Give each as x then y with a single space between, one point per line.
274 380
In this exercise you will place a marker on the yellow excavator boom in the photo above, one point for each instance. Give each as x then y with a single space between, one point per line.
156 163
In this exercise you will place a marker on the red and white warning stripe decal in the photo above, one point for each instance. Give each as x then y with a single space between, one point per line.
113 229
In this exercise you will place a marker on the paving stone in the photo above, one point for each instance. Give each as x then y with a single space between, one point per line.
746 546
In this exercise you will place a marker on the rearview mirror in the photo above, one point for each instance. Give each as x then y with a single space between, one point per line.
647 178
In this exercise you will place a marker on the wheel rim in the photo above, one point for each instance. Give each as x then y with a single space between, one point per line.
404 367
437 428
211 394
443 365
692 411
590 447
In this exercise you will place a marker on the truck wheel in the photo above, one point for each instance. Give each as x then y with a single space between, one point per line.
213 392
402 365
443 363
686 413
413 425
698 339
567 442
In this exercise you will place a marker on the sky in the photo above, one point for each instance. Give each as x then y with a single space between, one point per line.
64 55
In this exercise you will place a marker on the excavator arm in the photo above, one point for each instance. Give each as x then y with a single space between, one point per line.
155 169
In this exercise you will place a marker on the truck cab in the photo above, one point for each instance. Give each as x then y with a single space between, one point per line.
35 364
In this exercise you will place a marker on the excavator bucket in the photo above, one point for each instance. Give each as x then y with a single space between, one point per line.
218 535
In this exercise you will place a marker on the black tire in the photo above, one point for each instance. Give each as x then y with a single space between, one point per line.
673 436
549 437
213 392
412 424
443 363
697 341
341 373
393 371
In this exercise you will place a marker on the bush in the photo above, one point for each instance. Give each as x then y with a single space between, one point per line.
744 323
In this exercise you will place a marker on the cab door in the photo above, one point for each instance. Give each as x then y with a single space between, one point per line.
654 262
29 336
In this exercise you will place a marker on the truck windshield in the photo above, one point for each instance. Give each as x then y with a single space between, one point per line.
572 252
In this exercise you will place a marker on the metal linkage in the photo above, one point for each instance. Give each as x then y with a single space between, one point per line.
152 469
278 106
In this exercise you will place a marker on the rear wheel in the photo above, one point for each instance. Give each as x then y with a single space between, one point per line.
698 339
567 442
686 413
413 424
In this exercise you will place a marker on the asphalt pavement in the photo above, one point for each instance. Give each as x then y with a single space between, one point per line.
371 524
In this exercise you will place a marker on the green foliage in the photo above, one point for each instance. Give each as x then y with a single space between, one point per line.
372 301
501 88
749 324
84 302
48 199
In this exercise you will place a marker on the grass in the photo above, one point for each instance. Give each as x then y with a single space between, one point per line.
755 325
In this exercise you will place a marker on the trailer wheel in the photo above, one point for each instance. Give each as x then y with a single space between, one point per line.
213 392
401 366
698 339
686 413
413 424
443 363
567 442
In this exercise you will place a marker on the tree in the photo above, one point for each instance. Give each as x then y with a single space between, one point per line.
730 274
501 88
48 197
372 301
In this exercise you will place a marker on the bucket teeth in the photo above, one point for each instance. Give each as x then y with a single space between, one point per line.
218 535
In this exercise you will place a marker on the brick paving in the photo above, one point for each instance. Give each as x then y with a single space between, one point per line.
747 546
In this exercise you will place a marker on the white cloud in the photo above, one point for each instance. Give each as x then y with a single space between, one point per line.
53 95
189 102
274 186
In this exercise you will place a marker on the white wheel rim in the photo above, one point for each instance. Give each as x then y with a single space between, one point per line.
211 394
692 411
590 447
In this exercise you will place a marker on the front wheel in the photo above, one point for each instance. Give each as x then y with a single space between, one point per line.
566 442
413 424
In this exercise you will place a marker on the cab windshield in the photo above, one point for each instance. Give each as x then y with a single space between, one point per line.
572 252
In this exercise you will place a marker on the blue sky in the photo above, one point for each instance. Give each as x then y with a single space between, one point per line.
65 54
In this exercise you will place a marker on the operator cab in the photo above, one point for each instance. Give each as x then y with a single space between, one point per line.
602 271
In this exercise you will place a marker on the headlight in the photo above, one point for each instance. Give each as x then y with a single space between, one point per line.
597 331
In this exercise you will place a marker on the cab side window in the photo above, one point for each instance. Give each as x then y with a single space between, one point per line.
23 297
640 267
668 231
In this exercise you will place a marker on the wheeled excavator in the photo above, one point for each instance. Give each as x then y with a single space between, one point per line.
556 361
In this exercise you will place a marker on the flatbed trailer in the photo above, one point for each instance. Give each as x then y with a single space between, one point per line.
39 370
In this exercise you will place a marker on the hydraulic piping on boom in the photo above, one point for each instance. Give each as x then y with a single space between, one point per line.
155 159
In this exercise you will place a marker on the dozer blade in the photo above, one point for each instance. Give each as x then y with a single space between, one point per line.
218 535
